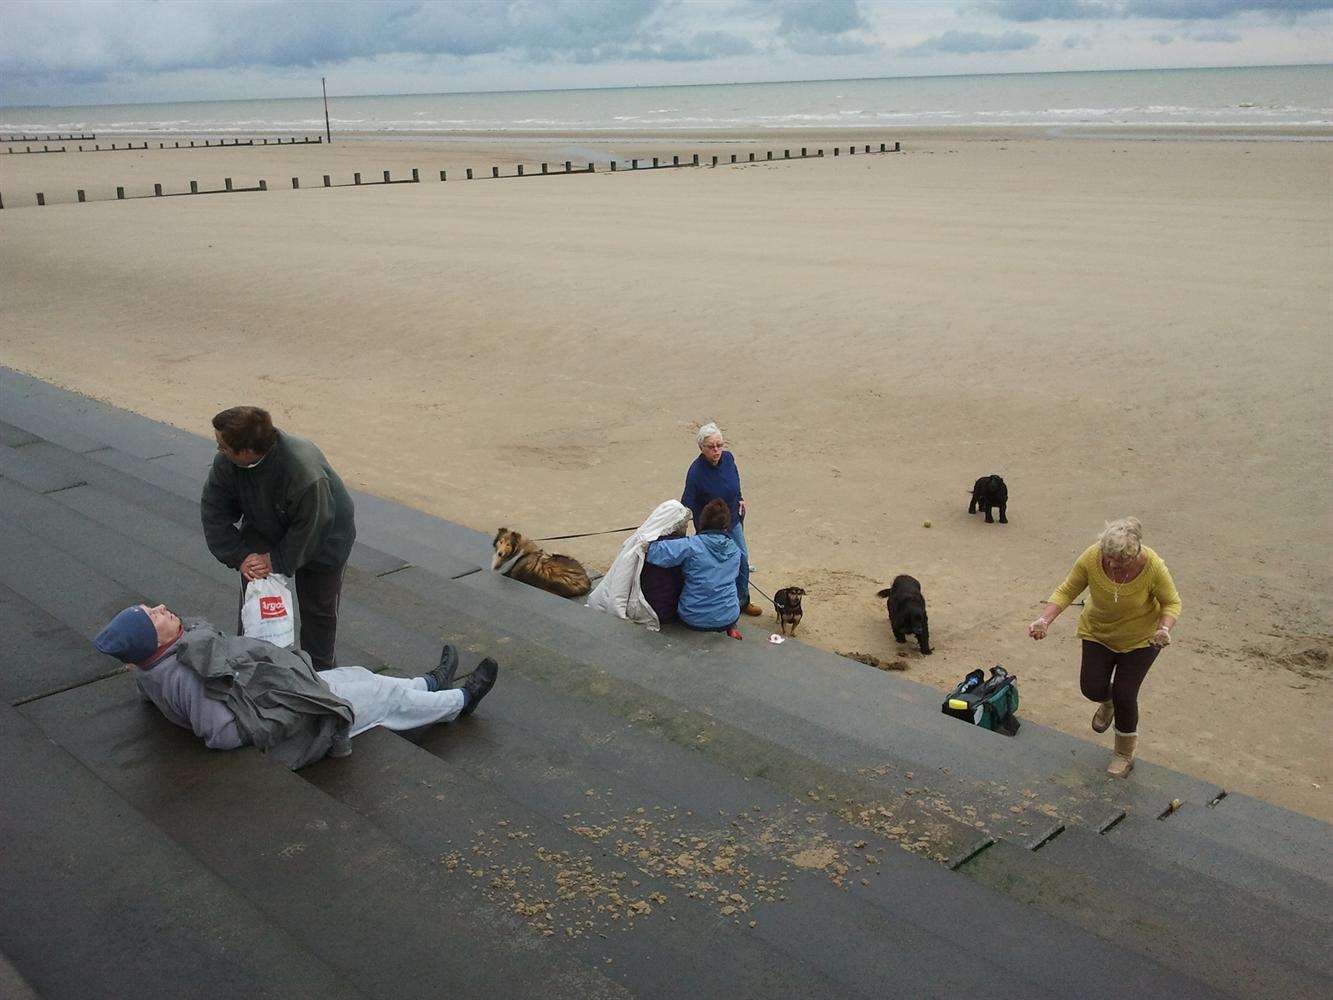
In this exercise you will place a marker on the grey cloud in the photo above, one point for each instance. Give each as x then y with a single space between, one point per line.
96 41
1227 37
1076 42
828 17
1175 10
1053 10
1162 38
972 42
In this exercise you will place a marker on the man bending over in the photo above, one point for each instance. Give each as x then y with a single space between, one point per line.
235 691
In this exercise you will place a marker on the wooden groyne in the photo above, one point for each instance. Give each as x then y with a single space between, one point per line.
70 137
634 164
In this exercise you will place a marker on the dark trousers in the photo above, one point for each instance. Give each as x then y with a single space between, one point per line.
318 594
1108 674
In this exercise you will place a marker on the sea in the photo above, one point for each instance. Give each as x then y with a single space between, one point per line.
1265 98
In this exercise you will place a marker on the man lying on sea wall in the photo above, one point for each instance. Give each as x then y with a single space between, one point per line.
234 691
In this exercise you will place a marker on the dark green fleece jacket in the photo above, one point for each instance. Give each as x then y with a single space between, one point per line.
290 504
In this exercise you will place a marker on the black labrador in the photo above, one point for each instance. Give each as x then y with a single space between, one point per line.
989 492
907 611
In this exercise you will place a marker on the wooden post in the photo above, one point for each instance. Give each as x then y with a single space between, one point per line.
263 184
851 150
613 166
469 173
356 178
802 151
41 198
770 154
835 150
675 161
654 161
2 202
161 146
695 160
328 181
120 194
819 152
227 181
495 171
566 166
296 183
592 167
543 168
416 175
520 170
442 176
715 161
751 157
81 196
881 147
867 147
786 154
157 190
733 157
191 144
194 187
634 164
386 177
897 147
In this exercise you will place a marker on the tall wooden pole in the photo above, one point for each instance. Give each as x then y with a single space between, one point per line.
328 132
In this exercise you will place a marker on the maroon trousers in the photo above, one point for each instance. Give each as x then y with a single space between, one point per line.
1117 676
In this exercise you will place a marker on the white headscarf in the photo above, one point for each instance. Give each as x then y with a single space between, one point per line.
618 592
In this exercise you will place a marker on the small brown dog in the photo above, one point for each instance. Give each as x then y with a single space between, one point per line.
523 560
787 603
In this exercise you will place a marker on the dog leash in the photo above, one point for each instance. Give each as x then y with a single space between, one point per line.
586 534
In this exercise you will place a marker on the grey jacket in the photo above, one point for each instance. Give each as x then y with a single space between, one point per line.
280 703
292 505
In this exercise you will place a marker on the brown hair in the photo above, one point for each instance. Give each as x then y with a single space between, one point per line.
716 516
246 428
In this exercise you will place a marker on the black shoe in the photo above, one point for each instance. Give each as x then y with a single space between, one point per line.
442 677
476 684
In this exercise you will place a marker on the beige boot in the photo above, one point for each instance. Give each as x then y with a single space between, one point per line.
1123 761
1101 719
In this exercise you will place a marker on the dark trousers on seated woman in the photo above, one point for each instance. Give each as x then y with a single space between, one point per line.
717 628
1117 676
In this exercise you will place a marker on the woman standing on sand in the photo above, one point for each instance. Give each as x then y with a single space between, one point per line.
714 476
1132 605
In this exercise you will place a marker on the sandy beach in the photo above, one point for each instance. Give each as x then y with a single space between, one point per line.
1116 325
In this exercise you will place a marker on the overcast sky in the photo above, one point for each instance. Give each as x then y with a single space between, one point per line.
122 51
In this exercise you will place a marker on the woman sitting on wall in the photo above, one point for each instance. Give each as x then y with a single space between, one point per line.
711 560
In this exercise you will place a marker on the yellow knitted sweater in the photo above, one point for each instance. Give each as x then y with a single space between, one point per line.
1122 617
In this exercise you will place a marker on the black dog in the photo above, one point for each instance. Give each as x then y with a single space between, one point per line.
787 603
907 612
989 492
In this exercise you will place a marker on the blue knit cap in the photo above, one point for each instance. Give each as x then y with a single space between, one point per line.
130 637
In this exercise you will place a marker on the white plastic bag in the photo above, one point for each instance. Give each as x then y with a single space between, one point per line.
267 612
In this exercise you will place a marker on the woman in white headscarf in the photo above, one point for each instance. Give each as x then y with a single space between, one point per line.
620 592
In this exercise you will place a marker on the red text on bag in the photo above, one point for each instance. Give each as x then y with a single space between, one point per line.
272 607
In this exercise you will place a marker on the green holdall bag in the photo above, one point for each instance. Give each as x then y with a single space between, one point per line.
988 702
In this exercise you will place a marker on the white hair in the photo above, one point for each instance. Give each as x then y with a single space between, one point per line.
708 430
1121 538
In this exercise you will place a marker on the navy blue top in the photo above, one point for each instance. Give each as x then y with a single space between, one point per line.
705 481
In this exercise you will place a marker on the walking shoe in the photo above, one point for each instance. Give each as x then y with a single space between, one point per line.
1101 719
476 684
734 634
442 677
1123 761
754 610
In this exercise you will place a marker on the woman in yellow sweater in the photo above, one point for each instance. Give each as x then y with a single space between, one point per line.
1132 605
